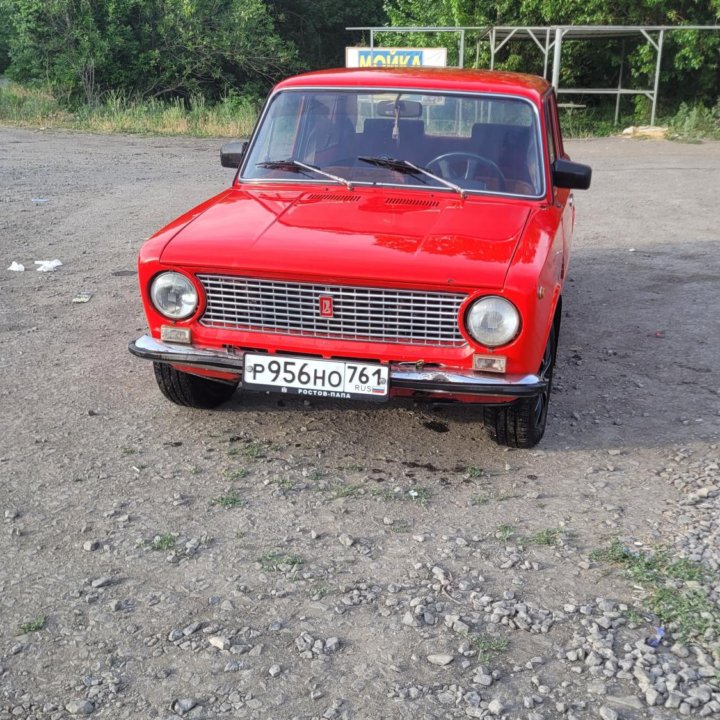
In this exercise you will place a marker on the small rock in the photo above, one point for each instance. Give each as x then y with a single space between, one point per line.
679 650
409 619
625 701
440 659
495 707
346 540
184 705
652 696
607 713
274 670
80 707
220 642
91 545
102 582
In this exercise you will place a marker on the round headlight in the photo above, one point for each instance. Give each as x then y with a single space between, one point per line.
174 295
492 321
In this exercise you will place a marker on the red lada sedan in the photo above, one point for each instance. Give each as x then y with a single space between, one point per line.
400 232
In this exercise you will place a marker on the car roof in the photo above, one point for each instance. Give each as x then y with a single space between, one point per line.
449 79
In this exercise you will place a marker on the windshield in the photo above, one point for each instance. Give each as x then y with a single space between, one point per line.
479 143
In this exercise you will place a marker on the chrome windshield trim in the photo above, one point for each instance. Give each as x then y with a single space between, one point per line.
360 184
349 88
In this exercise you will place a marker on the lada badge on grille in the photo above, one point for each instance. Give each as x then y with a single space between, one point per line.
326 306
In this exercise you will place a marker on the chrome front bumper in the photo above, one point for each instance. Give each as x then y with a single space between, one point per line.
402 375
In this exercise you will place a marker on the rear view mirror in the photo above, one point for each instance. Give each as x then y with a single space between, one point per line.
232 153
404 108
572 175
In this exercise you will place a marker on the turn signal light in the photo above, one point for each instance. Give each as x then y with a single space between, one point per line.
490 363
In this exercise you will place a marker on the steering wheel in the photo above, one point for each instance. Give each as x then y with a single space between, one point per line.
472 162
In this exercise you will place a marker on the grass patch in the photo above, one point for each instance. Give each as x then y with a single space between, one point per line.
505 532
230 499
33 625
284 483
253 450
236 473
166 541
318 592
476 500
475 472
276 561
678 589
233 116
549 536
346 491
487 646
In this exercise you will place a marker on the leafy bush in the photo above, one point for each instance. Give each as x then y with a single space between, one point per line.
696 122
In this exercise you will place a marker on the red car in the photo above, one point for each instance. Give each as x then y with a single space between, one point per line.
399 232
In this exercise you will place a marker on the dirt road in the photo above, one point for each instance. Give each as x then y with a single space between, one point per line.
293 559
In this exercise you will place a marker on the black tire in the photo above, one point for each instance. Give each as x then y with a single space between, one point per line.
191 390
522 423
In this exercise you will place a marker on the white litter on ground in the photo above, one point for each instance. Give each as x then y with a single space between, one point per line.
82 297
47 265
16 267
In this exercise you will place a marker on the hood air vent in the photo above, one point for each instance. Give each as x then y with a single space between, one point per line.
411 202
330 197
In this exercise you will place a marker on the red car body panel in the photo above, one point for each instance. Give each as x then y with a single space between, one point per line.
431 240
348 236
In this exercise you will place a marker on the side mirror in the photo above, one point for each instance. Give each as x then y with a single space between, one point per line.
567 174
232 153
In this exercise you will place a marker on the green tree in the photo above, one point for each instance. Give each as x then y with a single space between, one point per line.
317 27
691 60
82 48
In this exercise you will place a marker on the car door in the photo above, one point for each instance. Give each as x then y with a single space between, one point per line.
564 198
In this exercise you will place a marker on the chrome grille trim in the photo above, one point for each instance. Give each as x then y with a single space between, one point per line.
370 314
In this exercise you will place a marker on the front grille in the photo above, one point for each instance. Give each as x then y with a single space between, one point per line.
370 314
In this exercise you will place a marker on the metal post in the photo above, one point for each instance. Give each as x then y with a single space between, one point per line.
492 49
461 63
556 59
617 98
547 51
372 47
661 36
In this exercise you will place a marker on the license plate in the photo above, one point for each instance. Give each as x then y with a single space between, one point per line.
316 378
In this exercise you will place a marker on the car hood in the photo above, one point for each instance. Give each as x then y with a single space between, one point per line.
347 236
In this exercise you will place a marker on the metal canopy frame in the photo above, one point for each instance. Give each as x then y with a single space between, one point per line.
550 38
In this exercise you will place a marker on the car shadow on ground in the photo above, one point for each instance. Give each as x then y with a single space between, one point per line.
637 361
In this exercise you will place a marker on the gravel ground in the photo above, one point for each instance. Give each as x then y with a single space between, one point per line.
315 560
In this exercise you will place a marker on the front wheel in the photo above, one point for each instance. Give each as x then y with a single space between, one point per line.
522 423
191 390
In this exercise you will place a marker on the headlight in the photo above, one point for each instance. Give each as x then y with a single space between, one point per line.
492 321
174 295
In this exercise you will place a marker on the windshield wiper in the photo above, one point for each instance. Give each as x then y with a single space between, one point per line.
408 167
297 166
